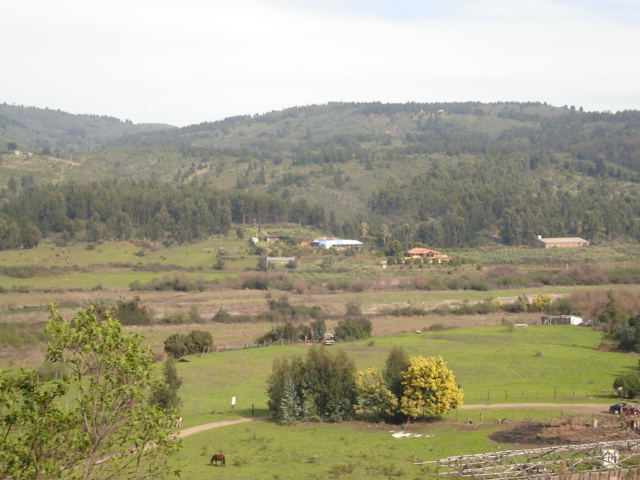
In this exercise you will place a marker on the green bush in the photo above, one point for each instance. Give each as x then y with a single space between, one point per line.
197 341
630 385
353 329
132 312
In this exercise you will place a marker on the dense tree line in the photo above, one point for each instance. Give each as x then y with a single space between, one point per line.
488 172
509 200
123 210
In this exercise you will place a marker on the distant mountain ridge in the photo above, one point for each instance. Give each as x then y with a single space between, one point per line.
37 129
447 174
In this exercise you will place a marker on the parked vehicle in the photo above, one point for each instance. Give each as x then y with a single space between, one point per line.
631 410
617 407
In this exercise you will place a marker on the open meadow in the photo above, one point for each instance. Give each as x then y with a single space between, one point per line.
552 365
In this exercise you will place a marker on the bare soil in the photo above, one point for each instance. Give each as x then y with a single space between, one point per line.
566 431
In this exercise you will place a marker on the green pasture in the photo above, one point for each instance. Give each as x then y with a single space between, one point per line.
611 253
192 255
353 450
434 297
492 364
108 278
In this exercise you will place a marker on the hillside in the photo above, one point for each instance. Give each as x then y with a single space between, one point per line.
449 174
48 131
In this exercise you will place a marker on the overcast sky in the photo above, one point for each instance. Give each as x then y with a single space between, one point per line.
188 61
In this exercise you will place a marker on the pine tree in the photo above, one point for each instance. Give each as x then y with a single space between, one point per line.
165 394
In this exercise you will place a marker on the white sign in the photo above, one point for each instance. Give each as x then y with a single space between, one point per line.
233 400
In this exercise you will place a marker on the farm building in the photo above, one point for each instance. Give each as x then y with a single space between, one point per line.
280 260
562 320
427 254
337 243
561 242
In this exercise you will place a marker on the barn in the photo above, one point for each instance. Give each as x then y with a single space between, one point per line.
561 242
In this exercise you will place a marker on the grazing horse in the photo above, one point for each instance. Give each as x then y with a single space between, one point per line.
218 457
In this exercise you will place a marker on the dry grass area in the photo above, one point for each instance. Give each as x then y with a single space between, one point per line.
242 302
388 325
31 308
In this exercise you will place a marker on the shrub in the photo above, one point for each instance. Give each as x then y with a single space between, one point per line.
179 345
221 316
265 281
407 311
281 310
176 345
194 315
177 282
630 385
132 312
199 341
219 265
353 329
286 333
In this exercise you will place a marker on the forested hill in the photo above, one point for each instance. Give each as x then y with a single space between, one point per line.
444 174
44 130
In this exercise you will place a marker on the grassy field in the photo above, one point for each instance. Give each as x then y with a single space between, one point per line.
318 451
493 365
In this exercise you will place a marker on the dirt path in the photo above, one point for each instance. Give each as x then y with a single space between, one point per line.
588 407
187 432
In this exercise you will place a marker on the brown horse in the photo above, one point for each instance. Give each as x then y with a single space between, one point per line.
217 457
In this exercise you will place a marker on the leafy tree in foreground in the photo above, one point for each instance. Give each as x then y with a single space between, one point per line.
34 429
429 388
109 430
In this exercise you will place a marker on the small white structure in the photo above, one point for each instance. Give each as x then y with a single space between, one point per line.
562 320
280 260
336 243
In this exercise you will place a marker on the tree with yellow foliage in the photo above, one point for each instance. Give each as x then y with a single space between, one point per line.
429 388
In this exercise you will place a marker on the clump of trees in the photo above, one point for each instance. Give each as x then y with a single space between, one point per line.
319 386
196 341
355 325
290 333
102 429
324 386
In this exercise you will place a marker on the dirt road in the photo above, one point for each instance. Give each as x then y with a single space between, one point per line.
187 432
583 407
588 407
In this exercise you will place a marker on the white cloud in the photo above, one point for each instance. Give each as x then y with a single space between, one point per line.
196 60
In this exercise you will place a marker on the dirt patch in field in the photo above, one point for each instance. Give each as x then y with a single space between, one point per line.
566 431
